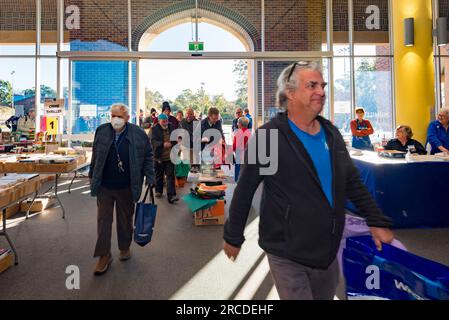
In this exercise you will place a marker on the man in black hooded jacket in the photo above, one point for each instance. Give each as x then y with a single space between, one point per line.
303 202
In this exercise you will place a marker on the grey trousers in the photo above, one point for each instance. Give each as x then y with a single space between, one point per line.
294 281
124 207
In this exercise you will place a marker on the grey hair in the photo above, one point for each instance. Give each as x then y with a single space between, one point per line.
407 130
284 84
121 107
243 121
445 110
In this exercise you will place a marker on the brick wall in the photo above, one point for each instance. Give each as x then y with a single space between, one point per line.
17 15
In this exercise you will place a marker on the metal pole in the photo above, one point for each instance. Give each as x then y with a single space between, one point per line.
351 54
129 27
37 76
60 39
330 41
392 65
57 197
11 244
12 88
437 59
196 21
262 78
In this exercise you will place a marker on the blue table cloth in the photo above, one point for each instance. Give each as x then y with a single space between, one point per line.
414 195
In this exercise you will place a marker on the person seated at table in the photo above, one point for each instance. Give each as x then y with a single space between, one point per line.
404 141
27 125
361 130
438 133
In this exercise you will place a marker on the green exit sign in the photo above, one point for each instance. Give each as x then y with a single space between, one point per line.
196 46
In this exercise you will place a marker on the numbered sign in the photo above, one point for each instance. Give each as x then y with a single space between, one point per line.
52 125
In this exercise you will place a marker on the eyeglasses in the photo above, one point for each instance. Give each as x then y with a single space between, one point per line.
299 63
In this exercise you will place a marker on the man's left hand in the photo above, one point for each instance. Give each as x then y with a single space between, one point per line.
381 235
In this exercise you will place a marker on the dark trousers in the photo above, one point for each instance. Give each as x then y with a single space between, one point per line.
124 207
294 281
166 168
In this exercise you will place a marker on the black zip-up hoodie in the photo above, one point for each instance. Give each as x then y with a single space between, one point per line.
296 220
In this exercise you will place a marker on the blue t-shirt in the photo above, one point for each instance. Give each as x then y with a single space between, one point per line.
316 146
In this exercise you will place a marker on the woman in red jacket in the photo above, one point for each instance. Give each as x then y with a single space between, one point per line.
361 130
241 138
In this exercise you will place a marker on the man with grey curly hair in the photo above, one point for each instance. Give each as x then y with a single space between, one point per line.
303 211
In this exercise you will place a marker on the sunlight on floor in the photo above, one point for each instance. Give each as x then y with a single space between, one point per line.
220 278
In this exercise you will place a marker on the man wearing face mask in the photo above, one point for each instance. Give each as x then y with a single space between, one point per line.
121 157
160 140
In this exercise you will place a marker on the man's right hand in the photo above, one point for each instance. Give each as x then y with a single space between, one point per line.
231 251
167 145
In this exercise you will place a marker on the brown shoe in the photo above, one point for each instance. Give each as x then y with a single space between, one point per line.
103 265
125 255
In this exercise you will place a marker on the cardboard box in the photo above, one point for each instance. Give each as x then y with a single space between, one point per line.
218 209
32 186
38 205
11 211
214 215
5 196
6 262
180 182
209 221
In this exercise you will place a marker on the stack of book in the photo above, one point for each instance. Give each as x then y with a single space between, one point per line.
5 259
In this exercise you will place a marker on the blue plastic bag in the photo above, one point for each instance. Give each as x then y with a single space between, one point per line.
392 273
145 219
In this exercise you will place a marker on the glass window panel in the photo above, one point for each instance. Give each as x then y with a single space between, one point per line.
48 78
342 95
290 26
326 108
16 80
96 86
444 81
17 27
371 28
96 25
373 92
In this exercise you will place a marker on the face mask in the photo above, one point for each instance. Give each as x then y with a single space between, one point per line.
117 123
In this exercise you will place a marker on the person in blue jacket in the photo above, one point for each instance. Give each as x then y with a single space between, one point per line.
248 115
438 134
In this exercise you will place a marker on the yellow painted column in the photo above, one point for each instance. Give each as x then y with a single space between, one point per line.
414 67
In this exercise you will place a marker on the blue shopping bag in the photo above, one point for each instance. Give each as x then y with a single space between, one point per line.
145 219
392 273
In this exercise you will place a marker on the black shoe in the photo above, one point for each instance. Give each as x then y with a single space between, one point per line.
173 199
158 195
